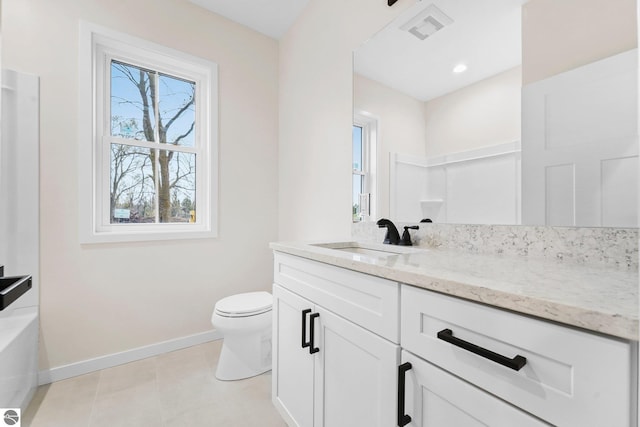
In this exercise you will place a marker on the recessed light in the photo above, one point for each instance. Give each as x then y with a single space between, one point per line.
460 68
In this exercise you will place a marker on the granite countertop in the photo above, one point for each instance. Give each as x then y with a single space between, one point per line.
597 298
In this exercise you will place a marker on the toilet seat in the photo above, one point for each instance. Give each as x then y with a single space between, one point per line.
244 305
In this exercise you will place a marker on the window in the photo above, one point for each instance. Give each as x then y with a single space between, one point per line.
152 139
363 184
359 175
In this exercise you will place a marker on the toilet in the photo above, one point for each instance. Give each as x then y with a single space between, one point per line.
245 323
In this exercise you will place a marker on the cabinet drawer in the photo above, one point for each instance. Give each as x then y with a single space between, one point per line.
571 377
368 301
435 398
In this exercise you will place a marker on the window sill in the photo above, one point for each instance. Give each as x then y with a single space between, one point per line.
124 236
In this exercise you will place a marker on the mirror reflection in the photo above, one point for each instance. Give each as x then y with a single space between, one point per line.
499 112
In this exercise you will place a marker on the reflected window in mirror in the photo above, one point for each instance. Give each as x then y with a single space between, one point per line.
363 181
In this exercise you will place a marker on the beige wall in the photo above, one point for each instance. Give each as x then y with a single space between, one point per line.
401 128
102 299
482 114
559 35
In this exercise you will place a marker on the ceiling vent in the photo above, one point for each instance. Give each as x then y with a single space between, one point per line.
427 22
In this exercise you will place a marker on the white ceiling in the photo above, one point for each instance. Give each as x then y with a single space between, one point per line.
270 17
485 35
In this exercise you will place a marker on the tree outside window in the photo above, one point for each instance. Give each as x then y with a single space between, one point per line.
153 164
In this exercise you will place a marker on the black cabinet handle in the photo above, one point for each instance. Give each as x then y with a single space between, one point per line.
305 343
312 348
515 363
403 419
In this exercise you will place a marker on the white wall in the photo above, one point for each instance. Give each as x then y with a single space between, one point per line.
580 146
401 128
101 299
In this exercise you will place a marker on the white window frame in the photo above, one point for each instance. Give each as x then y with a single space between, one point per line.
369 124
98 46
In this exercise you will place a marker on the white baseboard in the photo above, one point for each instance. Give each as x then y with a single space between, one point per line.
47 376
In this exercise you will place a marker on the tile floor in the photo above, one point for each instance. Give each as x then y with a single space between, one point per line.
173 389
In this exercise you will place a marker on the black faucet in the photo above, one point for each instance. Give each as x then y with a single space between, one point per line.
392 237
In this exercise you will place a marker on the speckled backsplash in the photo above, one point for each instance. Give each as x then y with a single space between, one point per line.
596 246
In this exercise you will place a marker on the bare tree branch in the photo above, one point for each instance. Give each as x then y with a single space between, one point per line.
184 135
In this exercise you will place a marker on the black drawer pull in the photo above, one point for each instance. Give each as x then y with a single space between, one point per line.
313 348
305 343
516 363
403 419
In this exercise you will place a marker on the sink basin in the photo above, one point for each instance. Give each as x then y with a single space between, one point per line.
368 249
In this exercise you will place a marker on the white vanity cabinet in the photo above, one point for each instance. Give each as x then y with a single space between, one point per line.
328 370
391 354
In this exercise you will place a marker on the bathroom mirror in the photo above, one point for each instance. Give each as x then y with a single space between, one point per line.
500 112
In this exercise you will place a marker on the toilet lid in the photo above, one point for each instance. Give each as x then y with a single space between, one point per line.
247 303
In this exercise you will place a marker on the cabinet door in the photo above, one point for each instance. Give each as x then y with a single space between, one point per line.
435 398
292 375
356 372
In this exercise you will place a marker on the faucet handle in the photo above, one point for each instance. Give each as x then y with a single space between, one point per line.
406 237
